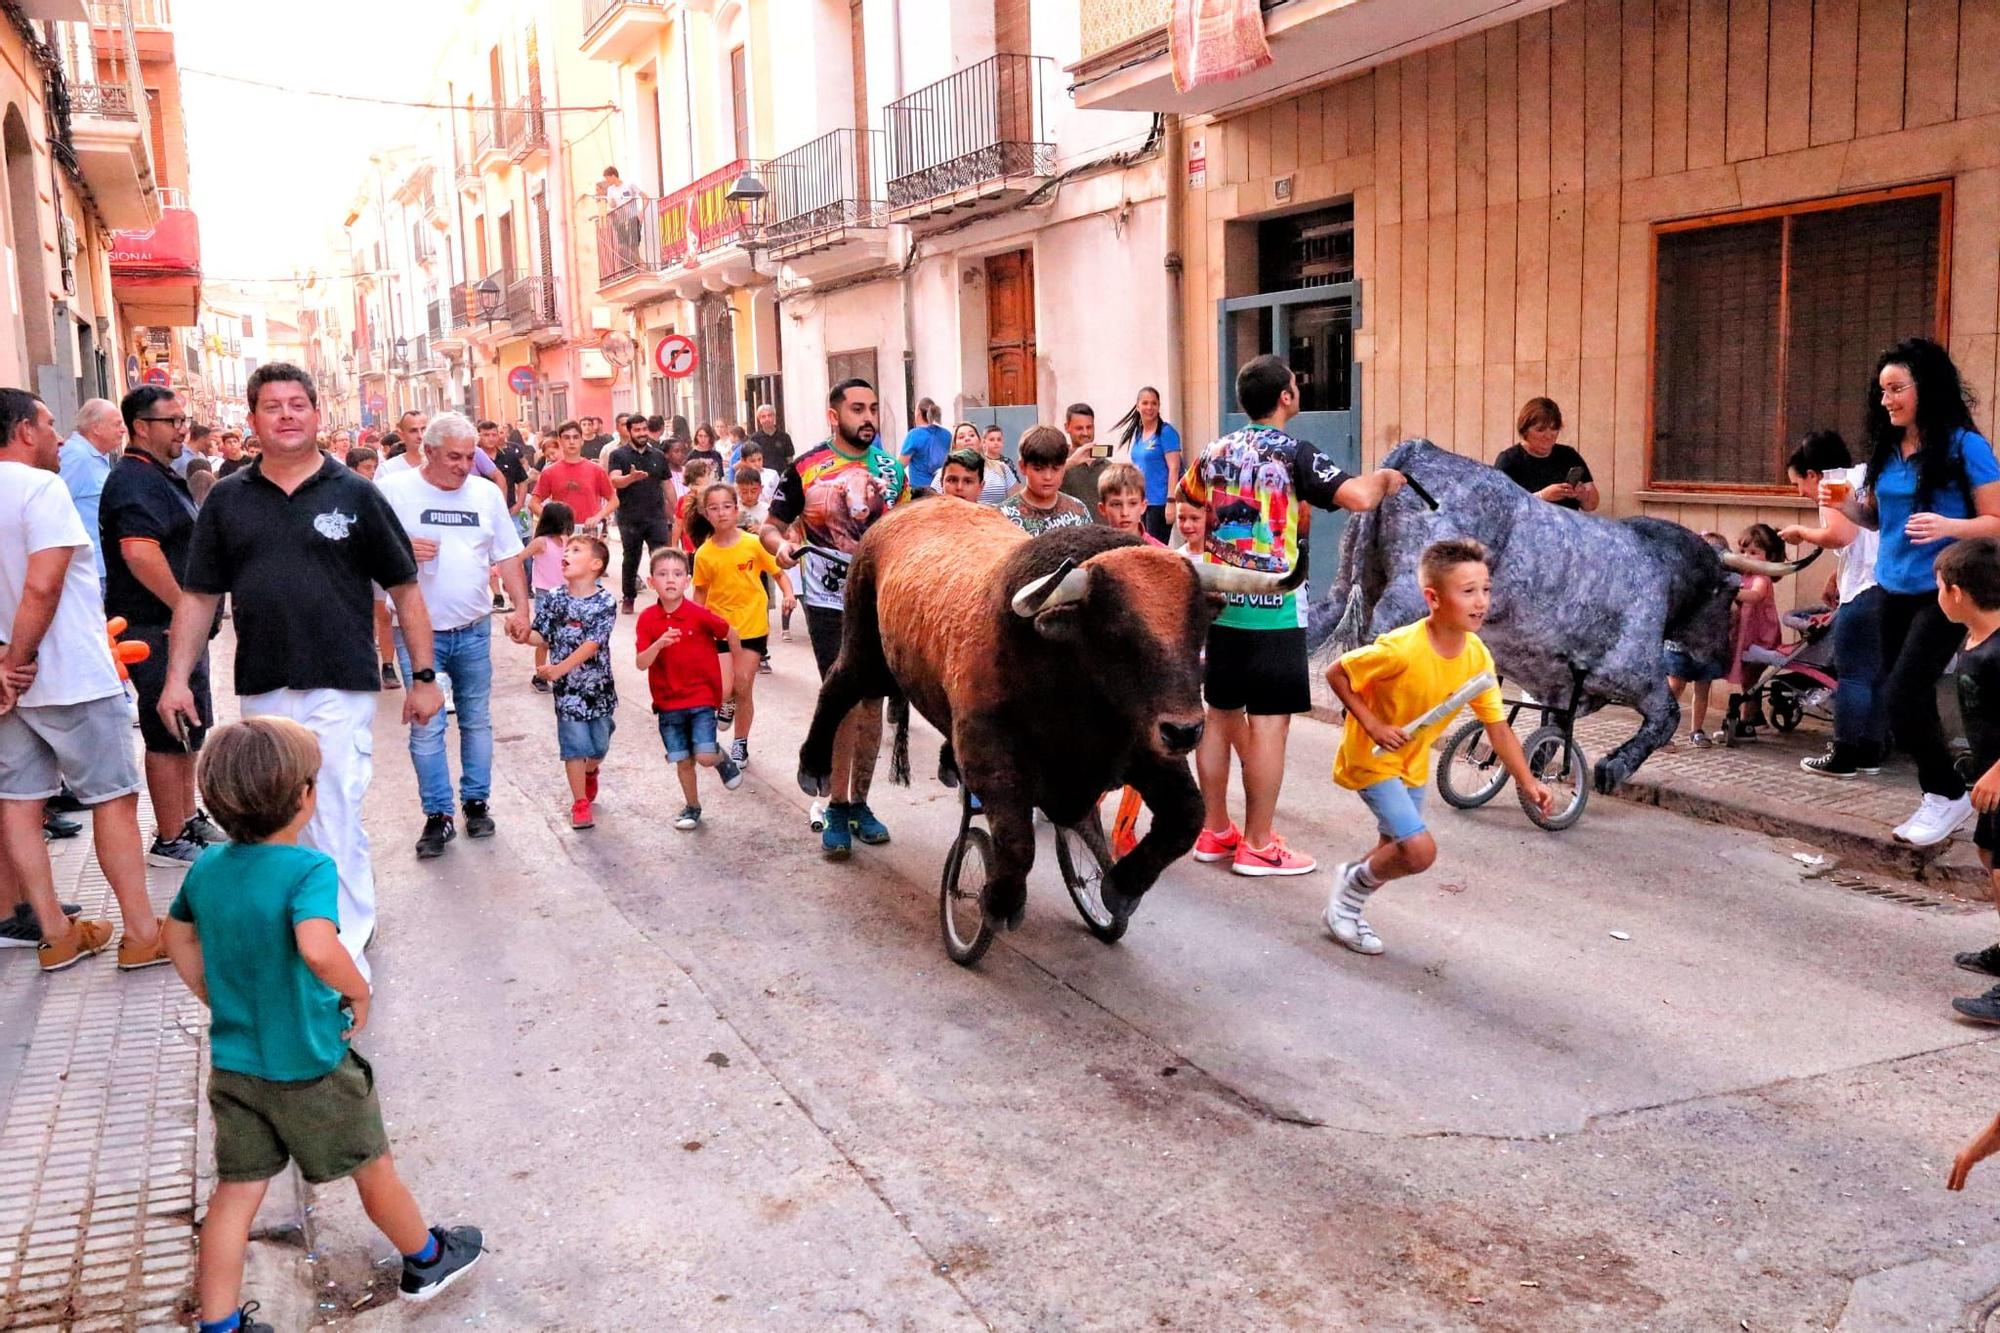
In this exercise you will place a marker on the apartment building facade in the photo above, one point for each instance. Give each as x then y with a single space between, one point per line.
84 185
902 192
1693 223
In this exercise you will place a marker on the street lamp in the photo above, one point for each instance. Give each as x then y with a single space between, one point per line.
748 195
487 294
402 353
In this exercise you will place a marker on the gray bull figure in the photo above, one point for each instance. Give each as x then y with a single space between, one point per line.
1581 604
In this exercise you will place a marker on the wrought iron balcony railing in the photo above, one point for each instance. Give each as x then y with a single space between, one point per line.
823 188
984 124
596 11
438 314
528 300
106 101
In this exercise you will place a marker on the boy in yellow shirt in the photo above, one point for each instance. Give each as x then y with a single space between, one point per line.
727 580
1385 687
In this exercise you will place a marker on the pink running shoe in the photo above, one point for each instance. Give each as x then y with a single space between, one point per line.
1212 846
579 815
1276 859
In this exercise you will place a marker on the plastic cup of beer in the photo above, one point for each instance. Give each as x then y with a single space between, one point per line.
1833 494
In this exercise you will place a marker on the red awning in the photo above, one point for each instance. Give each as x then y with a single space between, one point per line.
170 248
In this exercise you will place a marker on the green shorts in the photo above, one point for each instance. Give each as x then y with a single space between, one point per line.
330 1125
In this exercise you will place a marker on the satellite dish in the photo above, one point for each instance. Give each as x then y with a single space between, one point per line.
617 349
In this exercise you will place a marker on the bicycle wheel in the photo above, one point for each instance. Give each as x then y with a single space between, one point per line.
967 934
1558 762
1469 772
1085 860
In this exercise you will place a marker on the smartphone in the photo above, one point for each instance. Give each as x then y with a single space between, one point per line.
1575 477
1100 452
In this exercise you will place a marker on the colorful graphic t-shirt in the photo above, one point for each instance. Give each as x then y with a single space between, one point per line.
839 496
1253 482
1068 512
566 623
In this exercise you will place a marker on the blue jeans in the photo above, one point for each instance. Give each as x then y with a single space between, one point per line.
687 732
466 655
1857 658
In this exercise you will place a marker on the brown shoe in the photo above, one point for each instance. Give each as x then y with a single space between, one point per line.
84 939
132 955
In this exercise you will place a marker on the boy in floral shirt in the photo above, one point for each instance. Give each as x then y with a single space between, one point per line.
575 623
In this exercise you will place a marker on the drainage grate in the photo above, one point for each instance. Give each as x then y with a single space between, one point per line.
1895 893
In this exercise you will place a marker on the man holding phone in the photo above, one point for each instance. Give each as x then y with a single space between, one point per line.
1086 456
1539 465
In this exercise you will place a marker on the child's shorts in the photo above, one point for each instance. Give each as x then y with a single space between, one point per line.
760 645
584 738
1398 808
1986 834
687 732
1682 666
330 1125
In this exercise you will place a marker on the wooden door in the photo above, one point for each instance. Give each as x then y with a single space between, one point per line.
1010 329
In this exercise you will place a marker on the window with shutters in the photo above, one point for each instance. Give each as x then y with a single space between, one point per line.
1767 326
739 101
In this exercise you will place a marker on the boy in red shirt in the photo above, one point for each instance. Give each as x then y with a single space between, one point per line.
677 652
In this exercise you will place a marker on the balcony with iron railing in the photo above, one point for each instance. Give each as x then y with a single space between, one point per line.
821 193
529 301
973 137
105 101
685 231
145 13
528 139
617 30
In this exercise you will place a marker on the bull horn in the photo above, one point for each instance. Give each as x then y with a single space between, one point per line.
1736 563
1229 579
1066 585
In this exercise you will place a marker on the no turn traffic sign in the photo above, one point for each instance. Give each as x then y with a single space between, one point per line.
521 379
158 376
676 356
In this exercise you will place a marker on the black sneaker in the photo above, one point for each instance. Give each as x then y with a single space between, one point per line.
20 932
739 752
64 802
1985 960
538 685
478 823
1870 760
689 817
437 832
625 607
764 665
55 827
458 1250
1984 1008
175 853
246 1324
730 772
390 680
725 712
1833 764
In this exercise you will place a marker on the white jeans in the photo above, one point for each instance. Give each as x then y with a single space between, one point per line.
342 721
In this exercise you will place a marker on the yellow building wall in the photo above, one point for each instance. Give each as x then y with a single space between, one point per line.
1505 186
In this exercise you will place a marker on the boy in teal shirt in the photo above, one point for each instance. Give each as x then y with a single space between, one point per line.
285 1084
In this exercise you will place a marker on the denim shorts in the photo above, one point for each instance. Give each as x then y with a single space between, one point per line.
1682 666
687 732
584 738
1398 809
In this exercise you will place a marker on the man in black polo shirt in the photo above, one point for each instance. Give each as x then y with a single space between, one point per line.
297 541
639 472
147 520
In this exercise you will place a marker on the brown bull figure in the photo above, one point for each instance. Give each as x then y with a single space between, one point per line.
1057 668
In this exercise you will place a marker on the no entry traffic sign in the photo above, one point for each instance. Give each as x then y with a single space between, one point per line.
521 379
676 356
158 375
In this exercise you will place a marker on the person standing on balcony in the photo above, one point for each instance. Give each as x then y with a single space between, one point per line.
621 199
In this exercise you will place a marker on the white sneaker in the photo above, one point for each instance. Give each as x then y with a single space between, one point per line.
1901 833
1946 818
1352 931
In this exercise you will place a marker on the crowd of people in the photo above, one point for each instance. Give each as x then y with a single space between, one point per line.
353 565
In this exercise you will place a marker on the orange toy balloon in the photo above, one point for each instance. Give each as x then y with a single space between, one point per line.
124 653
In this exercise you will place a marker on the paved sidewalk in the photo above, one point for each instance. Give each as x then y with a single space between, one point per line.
98 1074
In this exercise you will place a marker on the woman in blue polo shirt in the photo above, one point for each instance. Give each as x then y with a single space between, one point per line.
1155 447
1932 480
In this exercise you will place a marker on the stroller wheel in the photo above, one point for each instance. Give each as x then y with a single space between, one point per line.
1786 709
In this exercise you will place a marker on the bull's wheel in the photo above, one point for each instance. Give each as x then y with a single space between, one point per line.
1085 859
967 935
1557 760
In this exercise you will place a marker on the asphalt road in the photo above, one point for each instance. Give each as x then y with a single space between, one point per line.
707 1080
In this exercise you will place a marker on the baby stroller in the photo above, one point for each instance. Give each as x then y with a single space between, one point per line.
1799 683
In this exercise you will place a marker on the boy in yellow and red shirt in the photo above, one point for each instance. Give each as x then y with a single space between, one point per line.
1388 685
